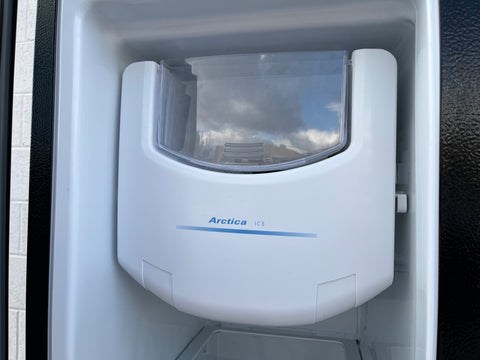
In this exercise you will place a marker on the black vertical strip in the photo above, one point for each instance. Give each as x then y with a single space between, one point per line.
39 214
459 289
8 14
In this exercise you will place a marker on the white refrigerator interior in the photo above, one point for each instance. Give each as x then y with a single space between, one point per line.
289 247
131 199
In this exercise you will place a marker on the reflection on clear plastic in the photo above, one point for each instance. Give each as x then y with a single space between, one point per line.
254 113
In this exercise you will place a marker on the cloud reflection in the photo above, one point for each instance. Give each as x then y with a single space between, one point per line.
268 111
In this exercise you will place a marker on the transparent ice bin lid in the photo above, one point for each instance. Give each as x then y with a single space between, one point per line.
254 113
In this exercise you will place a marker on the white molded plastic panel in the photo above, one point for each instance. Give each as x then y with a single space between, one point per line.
283 248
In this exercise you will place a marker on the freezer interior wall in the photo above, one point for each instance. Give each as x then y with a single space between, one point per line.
97 310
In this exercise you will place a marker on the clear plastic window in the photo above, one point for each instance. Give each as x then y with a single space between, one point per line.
254 113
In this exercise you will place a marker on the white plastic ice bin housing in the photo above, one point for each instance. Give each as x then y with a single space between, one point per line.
271 248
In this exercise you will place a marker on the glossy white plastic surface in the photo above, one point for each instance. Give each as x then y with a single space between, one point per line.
285 248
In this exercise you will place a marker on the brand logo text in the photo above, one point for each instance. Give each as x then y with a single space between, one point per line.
232 221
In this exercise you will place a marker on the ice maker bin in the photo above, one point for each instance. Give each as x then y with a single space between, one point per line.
269 216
